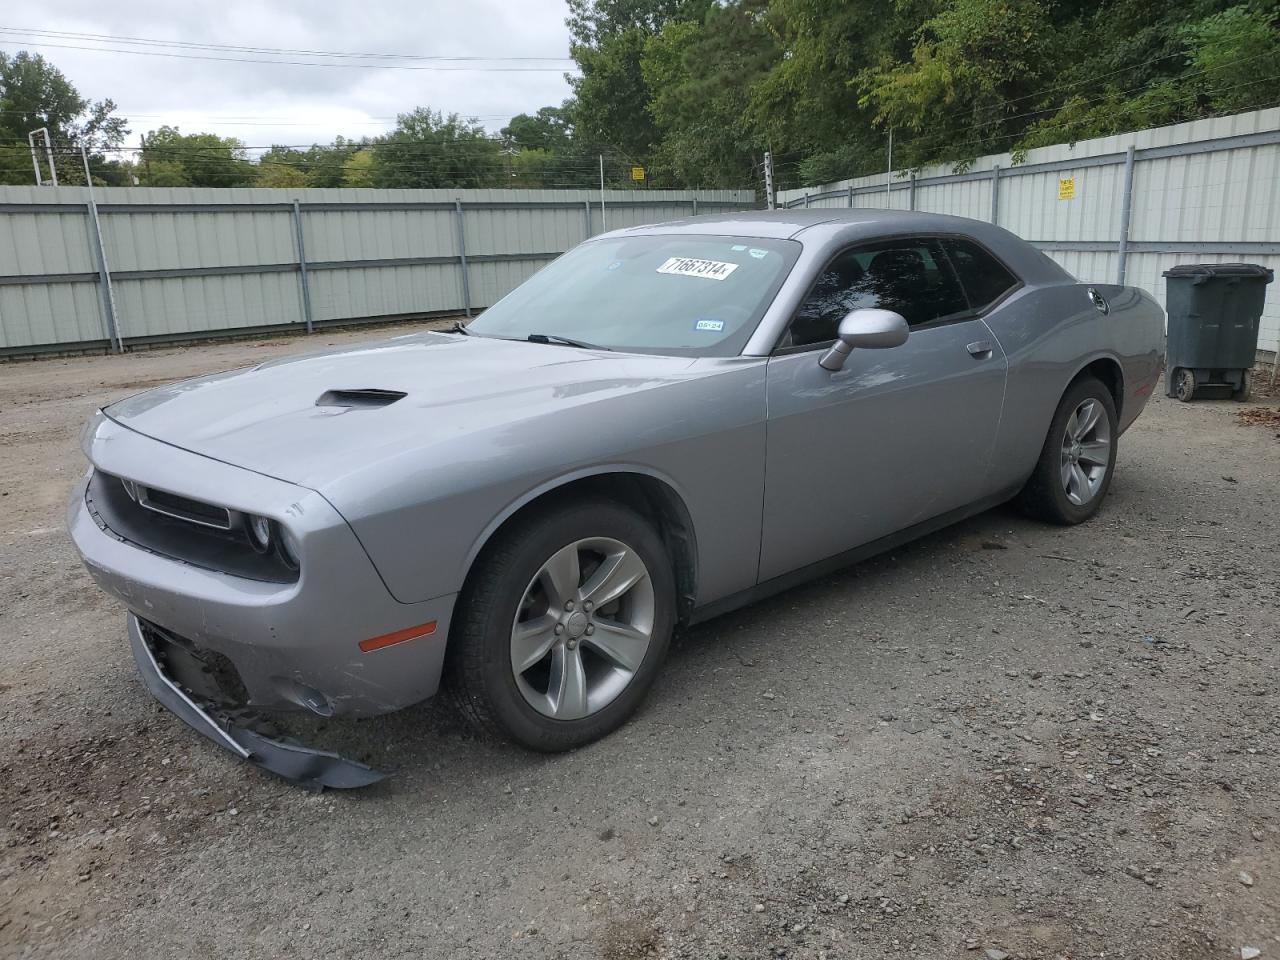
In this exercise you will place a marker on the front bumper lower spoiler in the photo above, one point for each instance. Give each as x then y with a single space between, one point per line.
295 762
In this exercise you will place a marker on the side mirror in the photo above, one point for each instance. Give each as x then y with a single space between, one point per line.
868 329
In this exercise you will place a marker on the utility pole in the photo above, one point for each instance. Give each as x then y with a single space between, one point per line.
146 160
604 224
768 178
108 294
888 173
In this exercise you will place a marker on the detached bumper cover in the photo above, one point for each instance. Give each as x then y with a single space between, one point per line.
303 765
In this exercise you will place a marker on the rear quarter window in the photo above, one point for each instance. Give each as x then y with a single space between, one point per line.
985 278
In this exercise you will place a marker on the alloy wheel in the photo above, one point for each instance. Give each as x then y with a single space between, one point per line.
583 627
1086 451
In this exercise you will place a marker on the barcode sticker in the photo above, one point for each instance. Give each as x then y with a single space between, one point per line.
707 269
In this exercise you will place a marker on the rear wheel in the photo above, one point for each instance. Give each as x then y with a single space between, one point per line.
563 626
1074 471
1245 390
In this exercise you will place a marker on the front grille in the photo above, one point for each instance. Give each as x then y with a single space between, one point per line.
182 508
185 529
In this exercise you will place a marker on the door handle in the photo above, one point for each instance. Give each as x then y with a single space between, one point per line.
980 349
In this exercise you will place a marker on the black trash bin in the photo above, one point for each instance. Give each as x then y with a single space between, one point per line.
1214 310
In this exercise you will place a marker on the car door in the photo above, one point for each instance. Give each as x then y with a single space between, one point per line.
899 435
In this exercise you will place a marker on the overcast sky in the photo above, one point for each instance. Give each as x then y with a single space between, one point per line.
265 103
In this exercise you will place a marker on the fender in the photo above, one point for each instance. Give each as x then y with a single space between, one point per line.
513 507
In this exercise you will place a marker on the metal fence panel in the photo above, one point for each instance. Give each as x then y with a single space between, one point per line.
189 262
33 314
1205 191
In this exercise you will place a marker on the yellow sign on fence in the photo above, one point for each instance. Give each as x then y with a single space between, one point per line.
1067 188
637 173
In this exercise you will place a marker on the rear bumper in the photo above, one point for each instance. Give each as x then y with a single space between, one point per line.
293 645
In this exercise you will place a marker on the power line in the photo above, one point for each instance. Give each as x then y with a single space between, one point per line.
294 63
283 51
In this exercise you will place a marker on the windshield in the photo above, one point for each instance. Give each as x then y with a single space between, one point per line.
678 294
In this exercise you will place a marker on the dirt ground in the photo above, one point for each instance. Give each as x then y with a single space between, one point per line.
1004 740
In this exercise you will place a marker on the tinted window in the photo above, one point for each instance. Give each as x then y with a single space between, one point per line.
910 277
984 277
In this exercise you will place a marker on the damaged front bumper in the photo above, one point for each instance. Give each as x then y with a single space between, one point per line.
295 762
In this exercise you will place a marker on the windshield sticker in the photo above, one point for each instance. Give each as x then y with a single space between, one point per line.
615 265
715 326
758 253
738 247
689 267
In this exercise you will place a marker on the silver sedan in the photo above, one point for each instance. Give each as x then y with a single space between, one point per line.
664 424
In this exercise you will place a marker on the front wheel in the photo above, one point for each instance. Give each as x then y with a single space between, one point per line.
1074 471
563 626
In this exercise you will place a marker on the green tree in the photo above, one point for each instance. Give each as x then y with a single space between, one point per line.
279 173
429 149
700 76
1235 57
959 94
1140 67
172 158
320 164
611 98
33 94
550 129
357 169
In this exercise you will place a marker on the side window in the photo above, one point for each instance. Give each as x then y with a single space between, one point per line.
910 277
984 277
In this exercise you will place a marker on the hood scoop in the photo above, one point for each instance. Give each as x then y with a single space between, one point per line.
359 399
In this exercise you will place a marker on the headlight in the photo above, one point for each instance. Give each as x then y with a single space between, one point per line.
259 532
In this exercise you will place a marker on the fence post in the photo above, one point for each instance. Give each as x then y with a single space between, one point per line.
104 276
911 193
462 258
995 193
695 206
302 266
851 196
806 201
1126 206
586 219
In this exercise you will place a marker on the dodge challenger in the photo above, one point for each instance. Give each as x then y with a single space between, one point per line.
663 424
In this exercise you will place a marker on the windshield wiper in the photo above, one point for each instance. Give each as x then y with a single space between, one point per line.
459 328
563 341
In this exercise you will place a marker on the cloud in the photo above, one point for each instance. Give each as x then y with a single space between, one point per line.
263 104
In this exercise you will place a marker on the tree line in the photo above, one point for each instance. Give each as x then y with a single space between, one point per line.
696 91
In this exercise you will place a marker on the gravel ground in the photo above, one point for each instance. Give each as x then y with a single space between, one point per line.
1003 740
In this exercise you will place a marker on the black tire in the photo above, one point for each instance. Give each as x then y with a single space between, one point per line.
1044 496
478 669
1245 392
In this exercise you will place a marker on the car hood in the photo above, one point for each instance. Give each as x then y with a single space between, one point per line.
313 419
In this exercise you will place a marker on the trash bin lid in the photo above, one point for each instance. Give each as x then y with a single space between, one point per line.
1203 271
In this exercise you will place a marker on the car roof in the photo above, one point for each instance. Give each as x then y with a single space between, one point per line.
829 228
785 224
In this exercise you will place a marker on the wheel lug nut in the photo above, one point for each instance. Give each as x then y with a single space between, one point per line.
568 604
559 628
588 605
572 644
591 628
